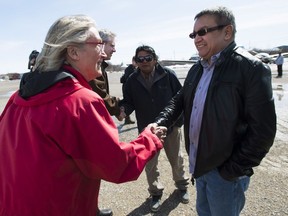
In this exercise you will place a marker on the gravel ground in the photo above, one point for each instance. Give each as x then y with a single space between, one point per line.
267 194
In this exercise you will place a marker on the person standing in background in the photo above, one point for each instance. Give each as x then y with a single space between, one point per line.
279 62
101 84
147 91
32 59
127 72
229 114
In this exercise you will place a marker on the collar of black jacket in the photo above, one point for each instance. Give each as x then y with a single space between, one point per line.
226 52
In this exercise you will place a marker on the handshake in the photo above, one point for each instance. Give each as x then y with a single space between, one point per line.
159 131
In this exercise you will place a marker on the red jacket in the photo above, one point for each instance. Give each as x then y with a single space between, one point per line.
57 145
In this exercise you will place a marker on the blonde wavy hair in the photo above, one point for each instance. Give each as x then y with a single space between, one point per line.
68 30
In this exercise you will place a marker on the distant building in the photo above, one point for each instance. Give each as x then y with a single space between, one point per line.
14 76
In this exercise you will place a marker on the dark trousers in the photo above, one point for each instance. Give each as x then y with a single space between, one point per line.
279 70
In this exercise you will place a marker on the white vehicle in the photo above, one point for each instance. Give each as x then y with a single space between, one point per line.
265 57
194 58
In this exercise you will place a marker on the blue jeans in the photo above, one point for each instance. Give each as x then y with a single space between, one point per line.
218 197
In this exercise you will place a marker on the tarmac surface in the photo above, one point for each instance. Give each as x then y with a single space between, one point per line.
267 194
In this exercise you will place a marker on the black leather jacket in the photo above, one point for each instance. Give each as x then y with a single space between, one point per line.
239 120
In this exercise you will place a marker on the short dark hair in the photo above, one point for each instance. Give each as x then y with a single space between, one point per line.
33 55
223 16
148 49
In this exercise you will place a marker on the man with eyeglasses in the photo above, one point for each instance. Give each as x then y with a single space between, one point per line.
147 91
100 85
229 114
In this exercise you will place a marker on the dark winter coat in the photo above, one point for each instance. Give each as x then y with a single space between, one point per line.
239 120
148 104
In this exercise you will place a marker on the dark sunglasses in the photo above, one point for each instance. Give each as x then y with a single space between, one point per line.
204 31
141 59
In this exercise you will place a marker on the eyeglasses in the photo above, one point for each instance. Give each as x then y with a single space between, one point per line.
100 44
141 59
204 31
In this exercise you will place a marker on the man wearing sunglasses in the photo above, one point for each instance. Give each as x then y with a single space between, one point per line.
147 91
229 114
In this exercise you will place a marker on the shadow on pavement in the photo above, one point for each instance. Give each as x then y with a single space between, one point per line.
167 206
119 127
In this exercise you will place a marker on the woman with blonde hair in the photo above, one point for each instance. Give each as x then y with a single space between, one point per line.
57 139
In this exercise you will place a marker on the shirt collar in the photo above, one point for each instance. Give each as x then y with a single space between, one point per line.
214 59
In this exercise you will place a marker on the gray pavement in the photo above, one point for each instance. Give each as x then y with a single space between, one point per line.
267 194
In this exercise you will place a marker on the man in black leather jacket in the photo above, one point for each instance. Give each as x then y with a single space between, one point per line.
229 114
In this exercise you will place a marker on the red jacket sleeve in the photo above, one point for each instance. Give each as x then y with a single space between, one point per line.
91 138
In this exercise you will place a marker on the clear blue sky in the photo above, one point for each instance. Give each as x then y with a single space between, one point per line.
164 25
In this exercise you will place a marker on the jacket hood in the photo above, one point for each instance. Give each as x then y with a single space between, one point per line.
36 82
41 87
